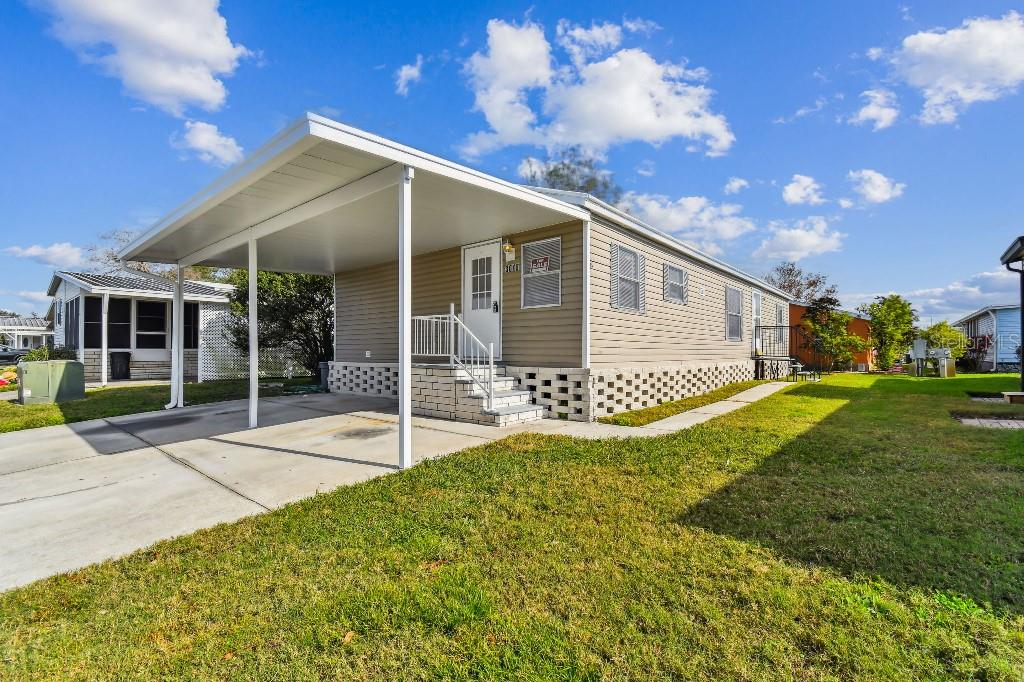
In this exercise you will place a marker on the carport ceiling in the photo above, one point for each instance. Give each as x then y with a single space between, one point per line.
451 205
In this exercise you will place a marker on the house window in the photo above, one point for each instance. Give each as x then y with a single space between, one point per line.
627 279
780 322
93 322
150 324
71 324
481 283
733 314
675 284
542 273
119 323
191 326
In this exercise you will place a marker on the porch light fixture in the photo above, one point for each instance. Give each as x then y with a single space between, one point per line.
1015 254
508 250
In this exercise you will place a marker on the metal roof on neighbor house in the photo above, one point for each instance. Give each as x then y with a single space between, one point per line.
984 311
141 285
23 323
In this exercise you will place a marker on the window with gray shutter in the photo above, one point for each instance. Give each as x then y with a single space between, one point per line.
675 284
542 273
733 314
627 279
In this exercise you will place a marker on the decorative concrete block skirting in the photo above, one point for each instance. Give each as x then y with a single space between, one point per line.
571 393
585 394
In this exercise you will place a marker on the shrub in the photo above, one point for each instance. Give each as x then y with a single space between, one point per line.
47 353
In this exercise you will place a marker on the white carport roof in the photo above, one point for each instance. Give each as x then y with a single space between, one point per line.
314 197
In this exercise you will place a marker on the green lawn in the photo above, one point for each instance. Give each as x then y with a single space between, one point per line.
119 400
657 412
847 529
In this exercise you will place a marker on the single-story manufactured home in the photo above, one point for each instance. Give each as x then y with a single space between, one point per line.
994 332
24 332
465 296
129 313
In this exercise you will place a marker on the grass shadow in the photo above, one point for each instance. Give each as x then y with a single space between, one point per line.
888 485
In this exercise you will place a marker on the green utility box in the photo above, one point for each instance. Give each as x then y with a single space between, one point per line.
50 381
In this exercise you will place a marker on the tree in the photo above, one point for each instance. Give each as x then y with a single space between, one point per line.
892 327
571 170
296 312
803 286
944 335
102 257
829 331
8 313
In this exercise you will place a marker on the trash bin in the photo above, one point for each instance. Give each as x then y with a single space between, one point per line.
325 373
120 365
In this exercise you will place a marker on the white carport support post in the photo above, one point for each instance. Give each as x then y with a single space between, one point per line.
177 308
405 319
104 355
254 340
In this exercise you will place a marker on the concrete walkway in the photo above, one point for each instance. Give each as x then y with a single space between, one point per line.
77 494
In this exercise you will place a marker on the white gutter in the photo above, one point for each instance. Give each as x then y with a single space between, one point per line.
995 340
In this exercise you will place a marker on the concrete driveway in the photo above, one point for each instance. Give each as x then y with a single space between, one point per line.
76 494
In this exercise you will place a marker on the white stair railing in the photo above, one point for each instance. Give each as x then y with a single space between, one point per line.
446 335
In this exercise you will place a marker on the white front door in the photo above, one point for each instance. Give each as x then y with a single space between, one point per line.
481 292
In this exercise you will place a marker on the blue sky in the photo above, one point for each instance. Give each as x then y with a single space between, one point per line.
876 142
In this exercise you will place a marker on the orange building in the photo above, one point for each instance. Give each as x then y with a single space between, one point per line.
859 326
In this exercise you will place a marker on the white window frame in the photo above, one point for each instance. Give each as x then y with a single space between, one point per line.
683 284
167 323
641 275
523 274
780 316
739 296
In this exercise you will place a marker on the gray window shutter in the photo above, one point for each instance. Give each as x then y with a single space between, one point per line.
664 282
686 285
641 276
615 277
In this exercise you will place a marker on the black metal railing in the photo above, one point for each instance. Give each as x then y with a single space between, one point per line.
777 347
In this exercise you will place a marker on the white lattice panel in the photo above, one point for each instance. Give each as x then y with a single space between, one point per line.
219 359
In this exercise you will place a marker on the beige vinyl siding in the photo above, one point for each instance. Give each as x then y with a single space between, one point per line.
552 336
667 332
367 305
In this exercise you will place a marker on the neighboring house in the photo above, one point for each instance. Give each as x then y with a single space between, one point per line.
24 332
138 322
995 331
588 310
858 325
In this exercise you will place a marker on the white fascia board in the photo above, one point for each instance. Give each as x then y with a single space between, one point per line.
286 145
983 311
138 293
354 138
609 212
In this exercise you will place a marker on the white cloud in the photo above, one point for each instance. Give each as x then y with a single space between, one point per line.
60 255
646 168
408 74
531 167
802 190
881 109
793 242
845 203
172 55
34 296
874 53
642 26
819 104
696 220
735 185
956 299
584 44
874 187
624 97
982 60
208 144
